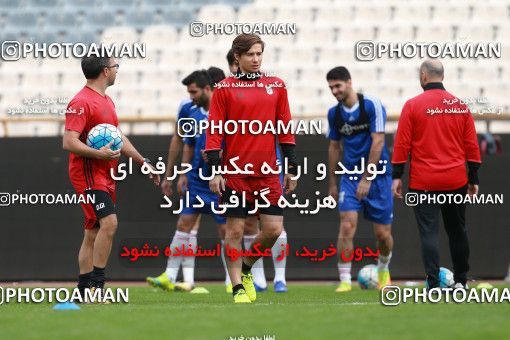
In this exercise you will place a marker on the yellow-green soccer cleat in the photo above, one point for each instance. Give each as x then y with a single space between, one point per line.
228 288
344 287
383 278
161 281
241 297
249 287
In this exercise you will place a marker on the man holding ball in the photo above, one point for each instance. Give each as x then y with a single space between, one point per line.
90 168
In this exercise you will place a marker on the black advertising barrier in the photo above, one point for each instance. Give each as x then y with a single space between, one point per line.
41 241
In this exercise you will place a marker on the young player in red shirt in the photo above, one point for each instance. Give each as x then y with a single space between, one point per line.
89 169
249 96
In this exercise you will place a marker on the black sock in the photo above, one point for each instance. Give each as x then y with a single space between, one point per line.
97 277
245 269
236 288
84 280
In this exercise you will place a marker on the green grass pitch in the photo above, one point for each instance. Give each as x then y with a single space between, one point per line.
307 311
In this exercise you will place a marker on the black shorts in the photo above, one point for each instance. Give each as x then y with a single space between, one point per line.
103 205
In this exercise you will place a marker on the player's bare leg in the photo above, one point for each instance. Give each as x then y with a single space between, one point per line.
272 226
102 248
251 230
345 245
385 245
85 258
233 239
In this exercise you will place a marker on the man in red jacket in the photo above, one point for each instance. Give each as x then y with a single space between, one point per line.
438 132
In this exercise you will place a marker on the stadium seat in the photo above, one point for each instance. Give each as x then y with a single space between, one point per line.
503 33
475 33
371 13
300 15
85 36
330 57
177 17
411 13
362 74
158 35
100 19
119 35
252 14
35 129
316 35
310 76
395 33
42 3
486 75
64 20
350 34
9 5
216 13
442 13
297 56
212 57
332 15
434 33
175 57
85 5
492 12
22 18
139 19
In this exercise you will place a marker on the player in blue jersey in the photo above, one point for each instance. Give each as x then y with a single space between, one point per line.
199 85
358 121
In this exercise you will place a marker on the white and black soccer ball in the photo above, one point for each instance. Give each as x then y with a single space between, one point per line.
102 134
367 277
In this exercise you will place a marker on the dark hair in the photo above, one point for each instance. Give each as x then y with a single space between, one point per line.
338 73
230 57
243 42
216 74
92 66
199 77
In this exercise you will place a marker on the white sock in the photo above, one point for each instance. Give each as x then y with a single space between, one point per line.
227 278
383 262
188 262
259 277
279 266
174 262
344 268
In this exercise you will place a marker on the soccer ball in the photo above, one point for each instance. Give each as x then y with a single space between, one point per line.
445 278
367 277
102 134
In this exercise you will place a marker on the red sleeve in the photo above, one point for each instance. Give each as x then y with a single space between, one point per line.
76 115
283 114
217 113
402 143
471 141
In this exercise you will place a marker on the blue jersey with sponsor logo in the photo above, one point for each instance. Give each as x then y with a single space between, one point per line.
355 133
